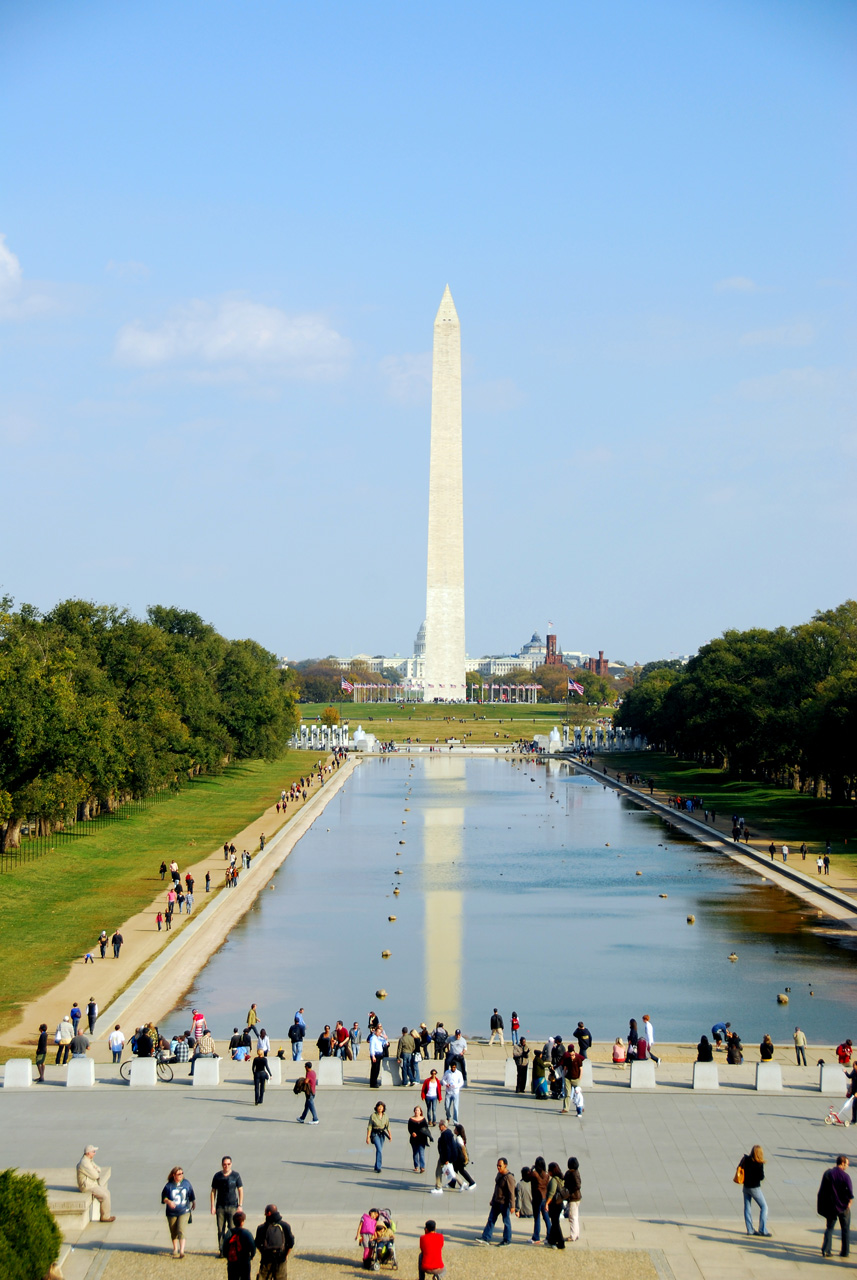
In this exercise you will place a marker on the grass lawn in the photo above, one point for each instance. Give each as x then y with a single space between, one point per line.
785 815
468 722
52 909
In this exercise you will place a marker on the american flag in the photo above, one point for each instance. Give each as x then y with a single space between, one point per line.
346 685
574 687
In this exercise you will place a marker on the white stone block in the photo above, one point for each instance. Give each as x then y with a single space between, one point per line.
275 1066
831 1080
144 1073
393 1070
18 1074
510 1074
769 1077
81 1073
329 1073
586 1074
642 1074
705 1075
206 1073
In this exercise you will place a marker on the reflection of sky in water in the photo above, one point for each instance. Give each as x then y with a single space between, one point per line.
512 897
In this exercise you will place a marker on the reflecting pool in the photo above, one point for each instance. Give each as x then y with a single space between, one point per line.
519 889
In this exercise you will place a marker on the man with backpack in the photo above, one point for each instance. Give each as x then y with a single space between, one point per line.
275 1241
297 1031
240 1249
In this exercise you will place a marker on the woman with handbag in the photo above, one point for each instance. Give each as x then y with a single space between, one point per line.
378 1132
556 1194
633 1040
572 1186
749 1175
462 1159
419 1137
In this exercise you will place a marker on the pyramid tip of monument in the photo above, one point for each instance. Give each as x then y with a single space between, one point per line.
446 310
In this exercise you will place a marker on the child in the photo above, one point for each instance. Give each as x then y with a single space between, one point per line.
366 1228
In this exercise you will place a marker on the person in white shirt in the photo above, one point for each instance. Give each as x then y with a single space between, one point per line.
453 1082
458 1049
650 1037
116 1043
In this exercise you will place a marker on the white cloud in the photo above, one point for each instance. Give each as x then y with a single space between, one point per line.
798 334
128 270
408 377
736 284
18 300
234 334
11 275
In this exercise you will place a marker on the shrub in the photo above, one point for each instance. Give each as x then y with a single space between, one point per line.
29 1237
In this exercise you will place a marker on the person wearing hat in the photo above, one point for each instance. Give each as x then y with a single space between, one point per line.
89 1179
62 1039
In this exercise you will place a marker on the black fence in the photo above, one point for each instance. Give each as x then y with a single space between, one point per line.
33 847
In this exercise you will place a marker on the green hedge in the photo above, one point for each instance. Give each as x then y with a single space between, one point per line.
29 1237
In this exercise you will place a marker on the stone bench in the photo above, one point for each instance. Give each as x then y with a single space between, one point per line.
329 1072
81 1073
642 1074
70 1207
18 1074
769 1077
144 1073
206 1073
705 1075
831 1080
391 1067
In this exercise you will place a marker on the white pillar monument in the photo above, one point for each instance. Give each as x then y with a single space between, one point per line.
444 635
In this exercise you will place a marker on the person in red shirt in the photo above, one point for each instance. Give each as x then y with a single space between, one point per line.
843 1053
431 1252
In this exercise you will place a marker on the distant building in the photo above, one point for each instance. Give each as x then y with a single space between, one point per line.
598 666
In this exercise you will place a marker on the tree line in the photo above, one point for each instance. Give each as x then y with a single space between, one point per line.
775 705
98 707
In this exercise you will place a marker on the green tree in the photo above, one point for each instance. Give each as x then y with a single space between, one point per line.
29 1237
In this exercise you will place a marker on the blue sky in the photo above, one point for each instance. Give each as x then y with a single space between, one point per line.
227 228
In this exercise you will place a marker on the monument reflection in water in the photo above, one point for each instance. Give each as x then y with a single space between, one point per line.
519 889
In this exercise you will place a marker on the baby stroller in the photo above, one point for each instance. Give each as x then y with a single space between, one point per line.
382 1250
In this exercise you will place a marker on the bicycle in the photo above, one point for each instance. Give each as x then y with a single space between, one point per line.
165 1071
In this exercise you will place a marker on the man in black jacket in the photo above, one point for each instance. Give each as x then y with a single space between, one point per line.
239 1248
502 1204
834 1201
275 1241
447 1153
497 1027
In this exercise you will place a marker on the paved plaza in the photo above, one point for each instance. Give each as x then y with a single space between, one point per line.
657 1167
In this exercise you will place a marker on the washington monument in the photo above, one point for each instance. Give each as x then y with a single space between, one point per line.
445 676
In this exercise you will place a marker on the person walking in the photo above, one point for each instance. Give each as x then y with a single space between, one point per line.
227 1195
405 1052
378 1132
62 1039
240 1248
419 1137
310 1083
432 1094
116 1042
462 1159
89 1180
75 1015
297 1031
834 1205
573 1187
180 1199
800 1046
521 1059
650 1038
453 1083
752 1167
516 1027
446 1156
92 1014
501 1206
261 1074
539 1187
556 1204
102 943
117 941
41 1052
497 1027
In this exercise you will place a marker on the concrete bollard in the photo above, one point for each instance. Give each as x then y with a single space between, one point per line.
275 1066
510 1074
586 1074
206 1073
144 1073
642 1074
705 1075
18 1074
831 1080
391 1067
329 1073
81 1073
769 1077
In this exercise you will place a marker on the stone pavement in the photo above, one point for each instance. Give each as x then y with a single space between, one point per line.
657 1167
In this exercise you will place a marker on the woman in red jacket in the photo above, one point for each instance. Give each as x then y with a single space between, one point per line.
432 1094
